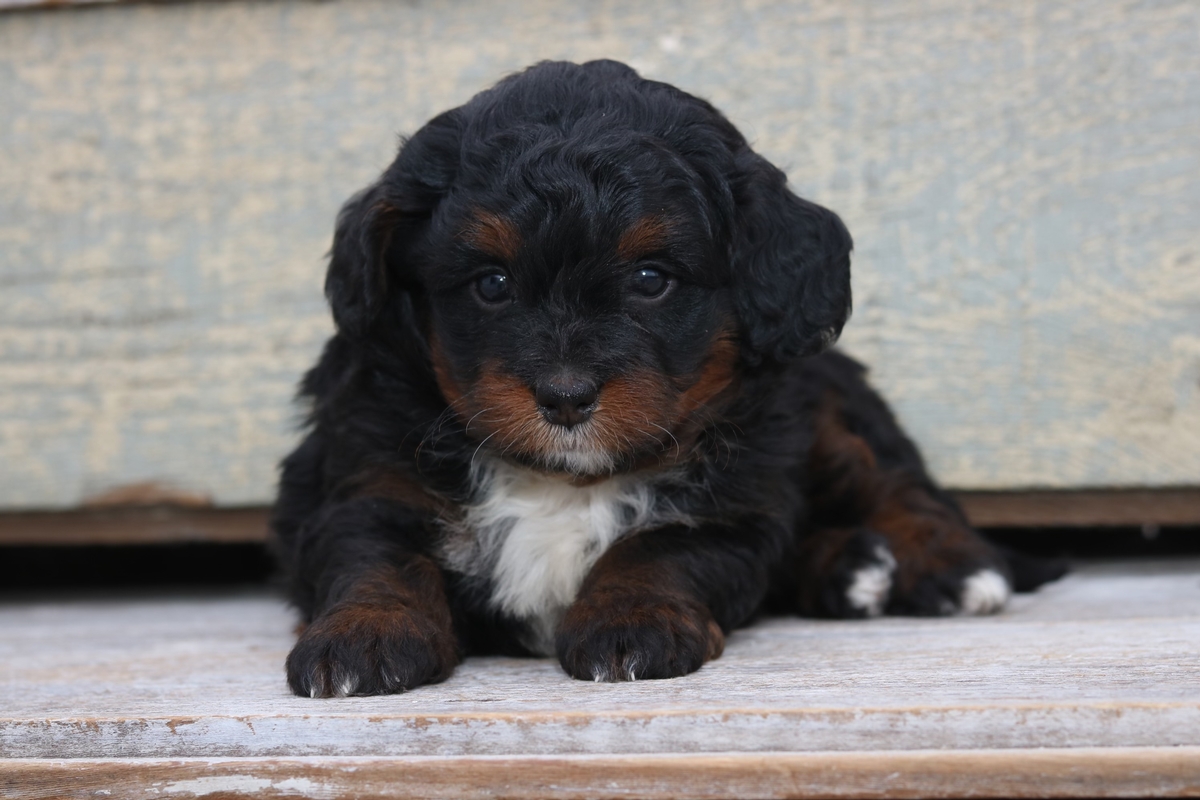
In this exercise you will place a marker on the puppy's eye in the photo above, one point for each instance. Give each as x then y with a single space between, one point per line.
649 282
493 288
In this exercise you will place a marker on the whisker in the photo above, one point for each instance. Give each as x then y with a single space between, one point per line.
480 447
474 417
664 430
434 429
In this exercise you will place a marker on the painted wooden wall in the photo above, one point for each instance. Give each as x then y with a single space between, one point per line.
1022 180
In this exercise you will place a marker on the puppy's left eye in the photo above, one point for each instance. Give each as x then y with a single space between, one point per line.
493 288
649 282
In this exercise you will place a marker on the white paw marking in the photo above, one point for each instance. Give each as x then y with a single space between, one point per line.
985 592
871 585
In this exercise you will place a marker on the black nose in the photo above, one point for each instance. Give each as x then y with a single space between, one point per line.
567 400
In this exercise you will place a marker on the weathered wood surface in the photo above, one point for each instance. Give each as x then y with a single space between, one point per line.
1082 772
164 524
1109 657
154 525
1018 178
1082 508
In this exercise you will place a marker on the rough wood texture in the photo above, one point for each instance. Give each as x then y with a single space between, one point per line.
1082 772
1131 507
19 5
1017 177
1106 658
154 525
165 523
159 523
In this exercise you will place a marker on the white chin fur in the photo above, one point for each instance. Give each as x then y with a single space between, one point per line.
984 592
571 450
580 461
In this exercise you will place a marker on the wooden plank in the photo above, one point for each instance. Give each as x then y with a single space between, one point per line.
1083 508
1083 772
134 525
1026 282
19 5
1106 658
164 523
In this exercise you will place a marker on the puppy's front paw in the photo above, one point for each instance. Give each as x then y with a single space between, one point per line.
367 648
608 637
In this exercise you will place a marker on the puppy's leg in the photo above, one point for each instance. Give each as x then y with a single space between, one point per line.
943 565
881 536
657 605
380 619
843 573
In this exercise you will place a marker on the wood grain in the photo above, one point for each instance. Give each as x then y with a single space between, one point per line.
1083 772
1015 176
18 5
1106 658
1097 508
169 523
134 525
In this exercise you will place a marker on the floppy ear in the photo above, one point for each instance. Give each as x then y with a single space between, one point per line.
791 266
357 281
376 228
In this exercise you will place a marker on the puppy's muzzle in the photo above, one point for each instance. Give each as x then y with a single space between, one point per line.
567 399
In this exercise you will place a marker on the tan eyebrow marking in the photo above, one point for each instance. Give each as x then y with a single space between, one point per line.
644 237
494 235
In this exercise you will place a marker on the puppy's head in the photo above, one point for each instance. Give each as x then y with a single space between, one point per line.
588 262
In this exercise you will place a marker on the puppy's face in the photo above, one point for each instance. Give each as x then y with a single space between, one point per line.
588 260
583 329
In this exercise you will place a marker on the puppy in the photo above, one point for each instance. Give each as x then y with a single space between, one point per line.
577 404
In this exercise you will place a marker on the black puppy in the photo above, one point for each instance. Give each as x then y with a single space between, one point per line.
574 406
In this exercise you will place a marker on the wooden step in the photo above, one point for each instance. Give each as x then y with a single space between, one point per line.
1089 688
150 518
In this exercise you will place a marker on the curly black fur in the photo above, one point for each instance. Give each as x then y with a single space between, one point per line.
496 296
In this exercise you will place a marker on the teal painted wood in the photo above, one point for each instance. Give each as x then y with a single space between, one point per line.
1020 179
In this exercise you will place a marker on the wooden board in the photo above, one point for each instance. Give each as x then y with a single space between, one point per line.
160 524
156 525
1083 772
1016 177
1083 508
1099 669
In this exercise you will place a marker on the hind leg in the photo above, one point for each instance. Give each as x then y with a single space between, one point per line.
880 536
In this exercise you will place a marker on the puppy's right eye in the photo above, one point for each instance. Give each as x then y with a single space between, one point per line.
492 288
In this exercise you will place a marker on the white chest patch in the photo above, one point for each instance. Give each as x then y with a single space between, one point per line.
537 536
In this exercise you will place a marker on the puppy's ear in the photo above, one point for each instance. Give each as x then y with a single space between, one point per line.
357 281
791 266
377 228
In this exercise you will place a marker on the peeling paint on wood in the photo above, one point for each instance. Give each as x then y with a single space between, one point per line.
146 493
1019 178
